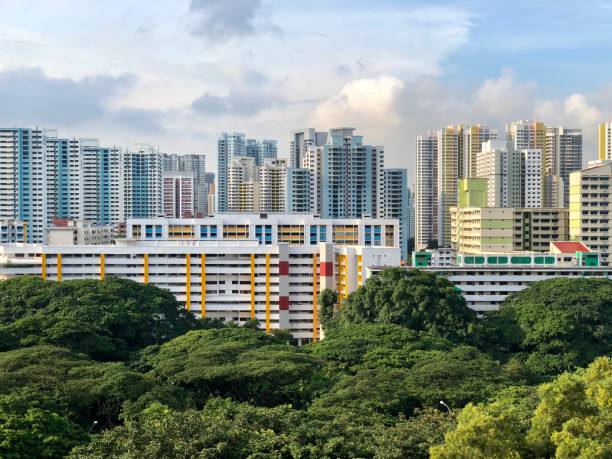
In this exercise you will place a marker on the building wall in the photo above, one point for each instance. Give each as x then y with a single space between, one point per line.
451 166
485 288
426 212
397 204
591 207
234 281
271 229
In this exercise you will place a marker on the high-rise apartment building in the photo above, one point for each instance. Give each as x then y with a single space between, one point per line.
531 178
303 146
346 177
475 136
232 145
305 153
397 204
563 156
591 207
452 162
178 190
530 135
242 185
195 165
351 175
209 181
143 179
111 199
299 190
411 217
266 149
229 145
605 140
24 172
273 186
501 166
426 214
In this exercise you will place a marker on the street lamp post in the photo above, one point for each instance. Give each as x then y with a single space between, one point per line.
445 406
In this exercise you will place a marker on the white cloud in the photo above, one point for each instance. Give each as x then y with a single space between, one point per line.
365 101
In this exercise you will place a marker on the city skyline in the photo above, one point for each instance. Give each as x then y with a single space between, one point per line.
177 73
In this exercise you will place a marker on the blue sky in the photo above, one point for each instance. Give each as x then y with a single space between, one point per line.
175 73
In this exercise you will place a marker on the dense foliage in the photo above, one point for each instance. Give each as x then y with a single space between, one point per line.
92 369
105 320
415 299
558 324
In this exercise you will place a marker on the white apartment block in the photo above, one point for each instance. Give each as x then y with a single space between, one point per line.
234 276
426 212
591 207
79 232
24 188
531 178
501 166
242 185
143 169
563 156
475 136
486 281
272 177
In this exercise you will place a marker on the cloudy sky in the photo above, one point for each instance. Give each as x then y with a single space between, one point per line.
177 72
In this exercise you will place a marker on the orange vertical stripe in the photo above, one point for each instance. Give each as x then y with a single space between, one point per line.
43 262
188 281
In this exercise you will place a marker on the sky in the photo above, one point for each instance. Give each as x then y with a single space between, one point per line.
175 73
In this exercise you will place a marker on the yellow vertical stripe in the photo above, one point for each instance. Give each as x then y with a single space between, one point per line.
315 298
203 284
267 294
146 268
102 266
602 141
188 281
43 267
59 267
252 286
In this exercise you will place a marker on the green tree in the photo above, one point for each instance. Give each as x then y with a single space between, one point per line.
68 383
558 324
222 429
482 435
38 434
574 418
327 306
241 363
416 299
105 319
413 437
373 345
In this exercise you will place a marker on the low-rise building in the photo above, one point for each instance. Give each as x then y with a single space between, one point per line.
65 232
232 280
12 231
498 229
486 280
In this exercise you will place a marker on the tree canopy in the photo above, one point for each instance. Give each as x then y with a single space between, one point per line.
415 299
117 369
558 324
104 319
